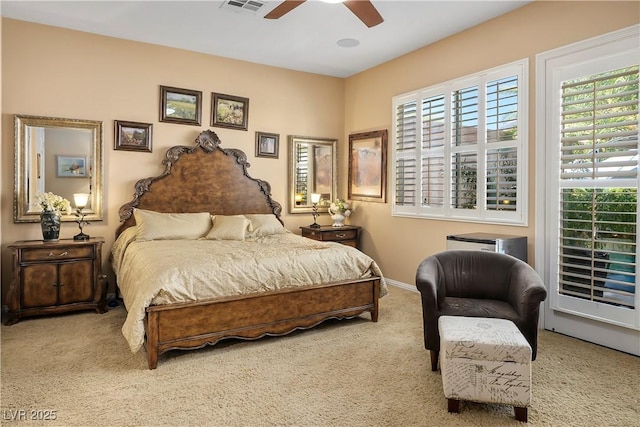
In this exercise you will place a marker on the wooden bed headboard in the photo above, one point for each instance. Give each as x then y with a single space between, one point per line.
202 178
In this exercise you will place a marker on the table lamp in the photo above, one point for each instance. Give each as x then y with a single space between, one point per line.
80 200
315 199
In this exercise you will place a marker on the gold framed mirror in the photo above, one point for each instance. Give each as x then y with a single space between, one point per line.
313 166
61 156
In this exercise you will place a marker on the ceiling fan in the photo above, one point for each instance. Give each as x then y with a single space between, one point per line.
363 9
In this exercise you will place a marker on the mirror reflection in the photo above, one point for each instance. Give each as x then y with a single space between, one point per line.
61 156
312 169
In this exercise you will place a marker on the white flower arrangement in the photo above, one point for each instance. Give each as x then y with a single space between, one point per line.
340 206
50 202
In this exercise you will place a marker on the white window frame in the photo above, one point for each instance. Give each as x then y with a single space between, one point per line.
552 68
519 216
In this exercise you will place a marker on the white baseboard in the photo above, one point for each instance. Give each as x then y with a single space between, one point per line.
401 285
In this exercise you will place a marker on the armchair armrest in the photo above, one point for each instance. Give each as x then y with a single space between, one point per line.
428 282
429 277
526 289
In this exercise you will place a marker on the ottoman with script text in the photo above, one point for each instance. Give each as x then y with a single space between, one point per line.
485 360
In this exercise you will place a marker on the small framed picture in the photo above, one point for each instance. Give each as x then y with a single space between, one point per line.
133 136
181 106
71 166
267 144
368 166
229 111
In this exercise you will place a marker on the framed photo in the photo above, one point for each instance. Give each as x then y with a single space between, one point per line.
181 106
267 144
228 111
368 166
71 166
132 136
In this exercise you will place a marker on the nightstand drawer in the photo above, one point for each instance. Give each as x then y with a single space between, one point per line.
348 235
57 254
338 235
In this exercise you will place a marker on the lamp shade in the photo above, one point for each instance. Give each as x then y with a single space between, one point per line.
80 199
315 197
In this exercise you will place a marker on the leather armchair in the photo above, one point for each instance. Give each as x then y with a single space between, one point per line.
478 284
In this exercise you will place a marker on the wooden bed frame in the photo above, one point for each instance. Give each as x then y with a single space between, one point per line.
207 178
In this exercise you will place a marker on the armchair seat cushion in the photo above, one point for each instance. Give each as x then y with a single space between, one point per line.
474 307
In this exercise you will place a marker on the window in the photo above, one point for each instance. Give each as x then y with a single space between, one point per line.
599 187
460 148
587 184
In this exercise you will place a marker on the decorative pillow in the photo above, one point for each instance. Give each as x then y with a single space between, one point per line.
265 224
229 227
158 226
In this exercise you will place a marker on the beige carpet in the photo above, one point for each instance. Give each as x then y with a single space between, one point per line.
349 373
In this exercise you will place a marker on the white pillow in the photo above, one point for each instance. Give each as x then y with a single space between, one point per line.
229 227
265 225
158 226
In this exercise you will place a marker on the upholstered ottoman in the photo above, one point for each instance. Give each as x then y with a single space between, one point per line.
485 360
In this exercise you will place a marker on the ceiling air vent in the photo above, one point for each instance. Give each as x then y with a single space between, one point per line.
243 6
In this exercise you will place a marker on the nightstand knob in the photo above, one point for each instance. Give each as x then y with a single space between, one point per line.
341 235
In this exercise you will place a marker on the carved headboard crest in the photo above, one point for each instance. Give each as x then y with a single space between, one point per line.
201 178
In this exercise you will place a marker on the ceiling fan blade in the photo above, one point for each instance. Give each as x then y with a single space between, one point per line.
283 8
365 10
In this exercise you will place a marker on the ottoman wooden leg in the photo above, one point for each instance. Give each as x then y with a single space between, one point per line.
521 413
434 360
453 405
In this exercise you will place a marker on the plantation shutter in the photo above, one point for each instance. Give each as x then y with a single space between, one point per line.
502 137
458 148
406 167
433 142
465 113
599 187
302 173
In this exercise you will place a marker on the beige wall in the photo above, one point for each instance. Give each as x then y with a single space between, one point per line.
399 244
54 72
60 73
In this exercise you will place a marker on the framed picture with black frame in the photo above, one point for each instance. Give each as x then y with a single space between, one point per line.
182 106
229 111
267 144
133 136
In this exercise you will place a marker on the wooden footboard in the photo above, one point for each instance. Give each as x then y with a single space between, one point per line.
195 325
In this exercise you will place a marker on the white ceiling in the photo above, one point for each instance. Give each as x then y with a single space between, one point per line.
304 39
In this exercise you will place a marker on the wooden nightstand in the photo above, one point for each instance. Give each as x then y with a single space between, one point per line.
55 277
348 235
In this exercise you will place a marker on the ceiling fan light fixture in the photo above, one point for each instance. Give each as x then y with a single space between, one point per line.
332 1
348 42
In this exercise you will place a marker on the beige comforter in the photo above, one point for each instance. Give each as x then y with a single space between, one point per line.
170 271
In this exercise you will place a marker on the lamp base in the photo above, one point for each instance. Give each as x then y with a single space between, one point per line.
314 225
81 236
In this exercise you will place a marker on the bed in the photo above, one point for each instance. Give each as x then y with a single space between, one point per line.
185 287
